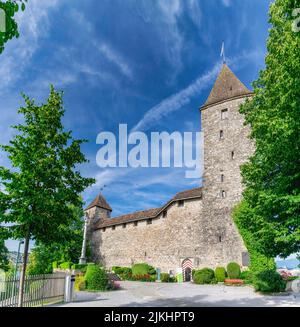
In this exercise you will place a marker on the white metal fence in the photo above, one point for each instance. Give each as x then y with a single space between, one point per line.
39 290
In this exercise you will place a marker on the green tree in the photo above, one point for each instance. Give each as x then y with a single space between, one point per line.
4 261
44 184
271 208
9 8
68 249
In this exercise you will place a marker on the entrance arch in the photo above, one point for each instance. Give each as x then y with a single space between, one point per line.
187 267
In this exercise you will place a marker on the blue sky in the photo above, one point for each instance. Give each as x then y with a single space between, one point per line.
149 64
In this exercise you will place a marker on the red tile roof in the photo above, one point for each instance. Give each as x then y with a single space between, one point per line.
100 202
151 213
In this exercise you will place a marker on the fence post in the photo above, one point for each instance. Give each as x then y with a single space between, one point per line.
69 288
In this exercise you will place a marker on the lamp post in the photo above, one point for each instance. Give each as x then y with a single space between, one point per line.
18 255
82 259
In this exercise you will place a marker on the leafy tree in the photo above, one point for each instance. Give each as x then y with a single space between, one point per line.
4 261
43 186
271 209
68 249
10 7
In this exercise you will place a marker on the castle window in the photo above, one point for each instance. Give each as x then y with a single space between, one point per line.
124 225
221 135
164 214
224 114
222 178
232 155
223 194
180 203
114 227
135 223
104 229
149 221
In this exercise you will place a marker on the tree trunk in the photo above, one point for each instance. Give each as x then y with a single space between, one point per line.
23 271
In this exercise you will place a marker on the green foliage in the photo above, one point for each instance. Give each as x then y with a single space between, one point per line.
41 191
121 270
271 177
80 283
96 278
166 278
220 274
4 262
81 267
259 261
204 276
233 270
44 258
10 7
269 281
247 276
66 265
143 269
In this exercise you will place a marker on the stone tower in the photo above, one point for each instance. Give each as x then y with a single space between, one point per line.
98 210
226 148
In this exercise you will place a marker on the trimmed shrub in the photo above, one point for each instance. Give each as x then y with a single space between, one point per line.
233 270
220 274
269 281
54 265
247 276
204 276
144 278
121 270
79 283
143 269
66 265
166 278
96 278
78 266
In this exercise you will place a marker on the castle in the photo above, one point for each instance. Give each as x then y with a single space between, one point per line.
195 228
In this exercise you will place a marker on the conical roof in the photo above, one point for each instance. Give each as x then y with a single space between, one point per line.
227 86
100 202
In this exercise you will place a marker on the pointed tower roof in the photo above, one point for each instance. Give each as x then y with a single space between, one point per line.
100 202
227 86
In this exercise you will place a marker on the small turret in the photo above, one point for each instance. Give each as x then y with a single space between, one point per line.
99 209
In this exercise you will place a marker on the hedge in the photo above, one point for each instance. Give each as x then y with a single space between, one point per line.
220 274
166 278
96 278
233 270
66 265
79 283
121 270
204 276
269 281
143 269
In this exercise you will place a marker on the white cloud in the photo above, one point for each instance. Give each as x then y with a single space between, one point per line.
177 100
33 24
114 57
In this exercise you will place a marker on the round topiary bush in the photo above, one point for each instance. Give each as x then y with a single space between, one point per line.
269 281
204 276
220 274
233 270
96 278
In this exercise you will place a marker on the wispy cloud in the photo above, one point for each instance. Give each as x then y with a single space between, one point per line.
33 24
114 57
177 100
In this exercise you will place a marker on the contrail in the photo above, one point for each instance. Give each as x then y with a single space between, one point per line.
177 100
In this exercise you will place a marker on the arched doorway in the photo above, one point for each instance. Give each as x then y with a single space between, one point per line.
187 267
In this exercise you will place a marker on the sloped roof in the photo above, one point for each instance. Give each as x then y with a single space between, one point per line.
100 202
151 213
227 86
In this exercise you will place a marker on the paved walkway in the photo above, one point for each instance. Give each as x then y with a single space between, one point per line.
135 294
